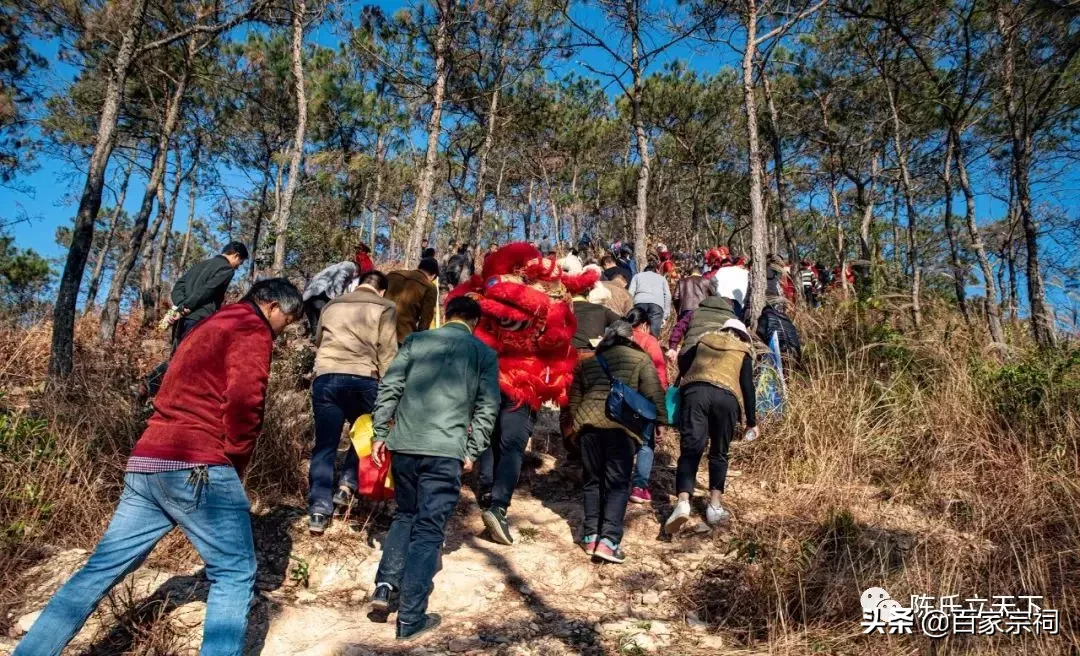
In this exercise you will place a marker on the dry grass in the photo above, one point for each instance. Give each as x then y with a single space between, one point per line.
916 462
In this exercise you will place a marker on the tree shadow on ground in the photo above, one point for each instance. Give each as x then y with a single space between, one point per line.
578 636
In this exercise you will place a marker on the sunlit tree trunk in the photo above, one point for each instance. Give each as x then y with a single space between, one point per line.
299 9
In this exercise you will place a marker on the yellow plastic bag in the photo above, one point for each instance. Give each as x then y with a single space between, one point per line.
362 435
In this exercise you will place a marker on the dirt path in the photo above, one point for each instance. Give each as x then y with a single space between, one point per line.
540 596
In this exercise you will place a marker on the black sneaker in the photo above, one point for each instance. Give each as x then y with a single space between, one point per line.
317 523
385 599
343 498
497 526
416 629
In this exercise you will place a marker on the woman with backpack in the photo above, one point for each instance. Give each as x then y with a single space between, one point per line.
608 445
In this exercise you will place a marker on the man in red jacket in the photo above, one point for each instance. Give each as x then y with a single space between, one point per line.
185 471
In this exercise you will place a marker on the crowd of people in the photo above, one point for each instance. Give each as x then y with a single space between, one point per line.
386 346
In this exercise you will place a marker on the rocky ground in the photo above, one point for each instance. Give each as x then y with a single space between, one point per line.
540 596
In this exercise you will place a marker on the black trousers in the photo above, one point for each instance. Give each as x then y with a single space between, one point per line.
499 467
708 415
312 309
607 462
426 489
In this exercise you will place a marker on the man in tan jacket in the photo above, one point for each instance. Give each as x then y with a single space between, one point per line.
415 294
356 340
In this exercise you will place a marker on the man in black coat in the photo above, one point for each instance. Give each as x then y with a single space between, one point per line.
195 296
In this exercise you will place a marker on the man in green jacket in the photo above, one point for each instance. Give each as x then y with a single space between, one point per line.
442 393
195 296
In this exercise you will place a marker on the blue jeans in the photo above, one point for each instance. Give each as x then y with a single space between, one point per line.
499 466
643 466
210 507
656 317
426 489
335 399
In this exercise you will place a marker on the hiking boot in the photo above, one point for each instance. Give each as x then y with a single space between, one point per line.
317 523
413 630
385 599
640 495
589 542
678 518
609 551
497 526
343 497
716 515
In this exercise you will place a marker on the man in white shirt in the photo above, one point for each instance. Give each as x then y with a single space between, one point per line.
732 282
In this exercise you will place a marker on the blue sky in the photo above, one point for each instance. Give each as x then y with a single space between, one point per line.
51 190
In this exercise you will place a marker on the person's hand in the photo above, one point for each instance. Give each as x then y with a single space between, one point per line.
751 434
672 355
467 467
378 453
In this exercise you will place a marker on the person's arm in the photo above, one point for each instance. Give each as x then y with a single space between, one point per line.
390 388
746 383
486 407
386 347
652 347
219 278
679 331
179 292
427 307
247 373
632 289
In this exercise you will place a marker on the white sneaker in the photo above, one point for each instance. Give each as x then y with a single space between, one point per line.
678 518
716 515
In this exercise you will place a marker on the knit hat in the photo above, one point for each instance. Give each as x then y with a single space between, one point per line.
737 326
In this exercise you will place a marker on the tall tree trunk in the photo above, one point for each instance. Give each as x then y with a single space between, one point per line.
162 251
758 228
1018 113
479 194
187 233
641 213
299 9
99 265
110 314
380 159
426 183
959 275
912 216
528 214
993 308
146 260
897 252
82 234
782 206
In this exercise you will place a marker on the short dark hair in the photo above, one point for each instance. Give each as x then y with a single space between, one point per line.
463 308
235 248
651 267
376 279
277 290
429 252
464 248
637 316
607 261
429 265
